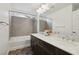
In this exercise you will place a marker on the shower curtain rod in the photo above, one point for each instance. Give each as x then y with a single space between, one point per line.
21 12
27 13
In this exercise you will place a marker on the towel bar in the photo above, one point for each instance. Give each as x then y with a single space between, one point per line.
3 22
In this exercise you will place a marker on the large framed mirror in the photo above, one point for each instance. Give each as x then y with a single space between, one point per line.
45 24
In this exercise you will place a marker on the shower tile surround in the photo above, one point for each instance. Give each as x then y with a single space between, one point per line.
25 26
21 26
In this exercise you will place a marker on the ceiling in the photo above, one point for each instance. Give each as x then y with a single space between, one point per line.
57 7
26 7
32 7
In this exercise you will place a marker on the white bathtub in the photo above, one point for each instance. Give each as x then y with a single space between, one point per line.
19 42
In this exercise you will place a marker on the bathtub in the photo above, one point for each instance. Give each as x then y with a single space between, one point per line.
19 42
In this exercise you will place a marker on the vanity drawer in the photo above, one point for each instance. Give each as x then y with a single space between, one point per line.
48 47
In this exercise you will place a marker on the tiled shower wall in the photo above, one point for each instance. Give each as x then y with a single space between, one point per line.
21 26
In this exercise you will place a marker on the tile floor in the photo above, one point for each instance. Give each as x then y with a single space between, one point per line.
23 51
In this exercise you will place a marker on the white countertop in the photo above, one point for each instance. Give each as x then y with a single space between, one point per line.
68 46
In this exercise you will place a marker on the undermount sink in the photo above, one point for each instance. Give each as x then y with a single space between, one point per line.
76 39
43 33
70 38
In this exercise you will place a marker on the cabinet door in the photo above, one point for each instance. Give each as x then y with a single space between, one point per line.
48 48
61 52
34 42
36 47
41 50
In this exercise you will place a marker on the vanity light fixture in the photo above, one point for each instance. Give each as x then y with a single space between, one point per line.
44 8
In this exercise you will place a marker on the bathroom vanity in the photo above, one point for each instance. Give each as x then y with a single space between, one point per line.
48 45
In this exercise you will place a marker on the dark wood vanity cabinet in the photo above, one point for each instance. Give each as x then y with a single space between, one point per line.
40 47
